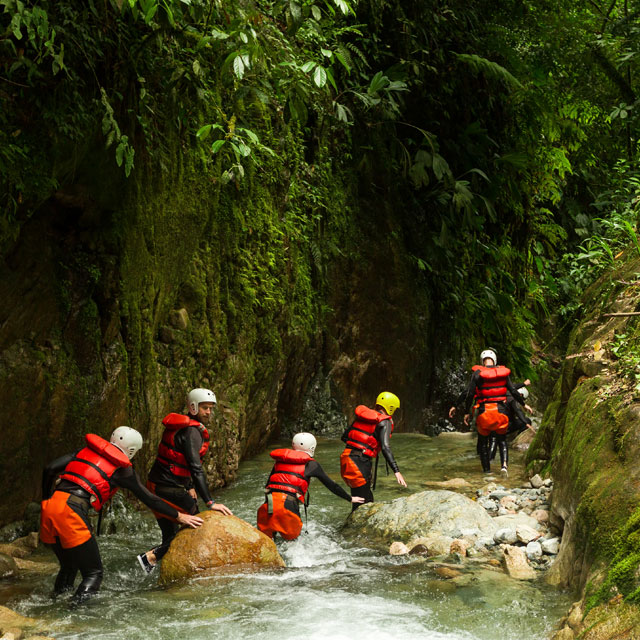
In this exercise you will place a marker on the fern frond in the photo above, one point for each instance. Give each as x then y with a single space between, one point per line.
489 69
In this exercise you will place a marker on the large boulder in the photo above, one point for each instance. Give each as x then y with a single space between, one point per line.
221 541
428 513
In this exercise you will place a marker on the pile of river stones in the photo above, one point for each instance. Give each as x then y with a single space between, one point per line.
523 540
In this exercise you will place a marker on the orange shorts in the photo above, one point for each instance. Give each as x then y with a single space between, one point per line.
64 518
282 520
355 468
492 419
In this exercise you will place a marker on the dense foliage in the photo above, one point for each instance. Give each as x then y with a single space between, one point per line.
504 131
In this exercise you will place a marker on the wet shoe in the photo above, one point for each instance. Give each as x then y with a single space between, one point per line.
147 567
504 472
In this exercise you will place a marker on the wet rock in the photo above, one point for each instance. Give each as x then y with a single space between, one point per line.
512 521
575 616
418 549
526 534
10 620
221 541
439 513
505 536
8 566
536 481
551 546
534 550
454 483
488 505
434 544
564 634
398 549
179 318
447 573
516 565
460 546
541 515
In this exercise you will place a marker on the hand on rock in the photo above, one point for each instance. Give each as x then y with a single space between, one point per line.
221 508
190 521
400 479
357 499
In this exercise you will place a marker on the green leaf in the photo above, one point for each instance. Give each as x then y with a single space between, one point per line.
238 67
216 146
327 53
331 79
307 66
342 5
378 82
320 76
203 132
219 35
316 13
440 166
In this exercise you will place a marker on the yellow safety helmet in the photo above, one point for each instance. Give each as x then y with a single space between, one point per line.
388 401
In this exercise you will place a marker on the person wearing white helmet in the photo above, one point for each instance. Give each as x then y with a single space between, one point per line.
488 390
368 435
287 487
87 479
177 476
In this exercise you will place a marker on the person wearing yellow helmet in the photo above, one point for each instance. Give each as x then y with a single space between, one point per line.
368 435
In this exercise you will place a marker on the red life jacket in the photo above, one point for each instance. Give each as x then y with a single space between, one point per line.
168 453
287 475
93 466
360 434
492 386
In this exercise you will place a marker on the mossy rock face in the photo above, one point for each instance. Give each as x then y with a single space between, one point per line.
590 440
221 541
611 621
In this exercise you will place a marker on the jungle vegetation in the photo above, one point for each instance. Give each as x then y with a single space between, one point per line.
508 130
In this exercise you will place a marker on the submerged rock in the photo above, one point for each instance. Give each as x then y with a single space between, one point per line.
424 514
221 541
516 564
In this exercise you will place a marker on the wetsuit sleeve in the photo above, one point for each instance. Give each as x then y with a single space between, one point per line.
127 478
191 443
51 471
466 397
514 391
314 470
383 435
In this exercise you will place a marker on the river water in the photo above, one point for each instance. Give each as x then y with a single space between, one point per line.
331 588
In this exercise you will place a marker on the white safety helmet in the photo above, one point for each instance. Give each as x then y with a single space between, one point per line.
128 440
304 442
524 392
196 396
489 353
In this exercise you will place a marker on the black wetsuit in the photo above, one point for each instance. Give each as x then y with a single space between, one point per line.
175 489
314 470
484 442
86 557
364 463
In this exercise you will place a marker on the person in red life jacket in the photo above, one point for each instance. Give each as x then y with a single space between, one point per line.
488 389
287 487
177 476
369 434
88 478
